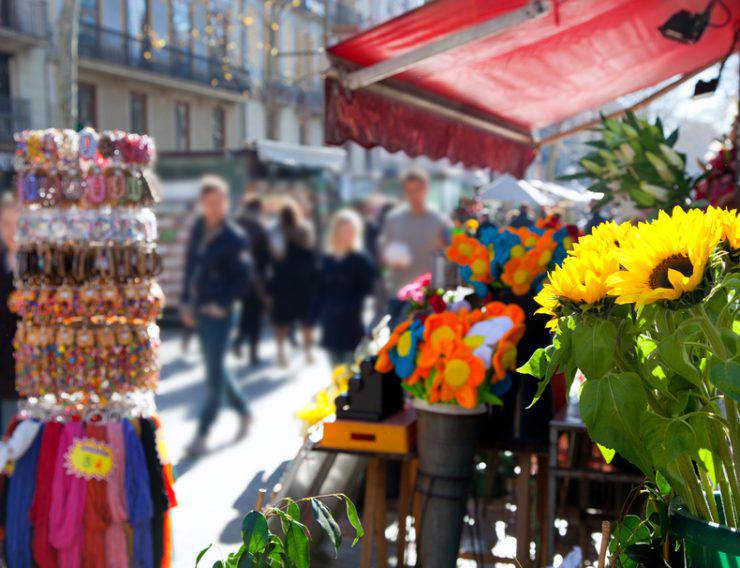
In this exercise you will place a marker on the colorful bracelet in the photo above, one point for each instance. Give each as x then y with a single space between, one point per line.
110 225
97 188
97 302
96 359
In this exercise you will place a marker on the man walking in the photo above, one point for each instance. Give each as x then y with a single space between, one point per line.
412 235
217 274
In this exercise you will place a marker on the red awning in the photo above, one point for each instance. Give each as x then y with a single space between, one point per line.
481 102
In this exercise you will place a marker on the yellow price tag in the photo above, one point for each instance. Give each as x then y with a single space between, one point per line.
89 459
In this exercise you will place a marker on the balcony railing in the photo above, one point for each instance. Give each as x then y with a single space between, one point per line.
15 115
27 17
116 47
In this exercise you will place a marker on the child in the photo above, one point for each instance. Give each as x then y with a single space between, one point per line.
346 276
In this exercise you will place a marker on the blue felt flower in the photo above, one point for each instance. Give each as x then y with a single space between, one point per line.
403 355
487 236
502 246
502 387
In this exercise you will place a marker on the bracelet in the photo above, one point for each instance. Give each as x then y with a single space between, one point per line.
115 225
96 359
88 406
97 302
46 263
70 150
96 188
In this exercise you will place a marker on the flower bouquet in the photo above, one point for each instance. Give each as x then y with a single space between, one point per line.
514 259
649 314
451 362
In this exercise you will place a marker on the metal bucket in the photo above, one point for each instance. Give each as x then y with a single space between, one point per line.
446 444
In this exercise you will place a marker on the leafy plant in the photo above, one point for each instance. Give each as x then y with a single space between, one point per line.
290 549
635 159
662 363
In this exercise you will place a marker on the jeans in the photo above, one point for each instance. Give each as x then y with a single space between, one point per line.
214 334
397 309
8 409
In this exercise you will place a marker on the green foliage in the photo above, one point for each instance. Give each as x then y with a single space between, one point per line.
262 548
634 158
662 386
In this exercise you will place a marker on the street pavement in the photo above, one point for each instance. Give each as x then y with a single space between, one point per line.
216 491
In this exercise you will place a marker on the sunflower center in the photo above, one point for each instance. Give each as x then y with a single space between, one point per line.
659 275
457 372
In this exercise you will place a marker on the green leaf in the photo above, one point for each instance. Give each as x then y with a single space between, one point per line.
612 409
706 458
485 396
673 354
293 509
255 533
354 519
594 344
537 364
296 545
323 516
725 375
202 553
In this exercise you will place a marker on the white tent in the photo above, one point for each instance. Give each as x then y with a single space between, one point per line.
508 188
559 192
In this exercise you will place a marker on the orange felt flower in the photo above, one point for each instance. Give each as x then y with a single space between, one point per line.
519 273
481 266
529 238
464 249
542 253
442 328
504 359
383 364
459 376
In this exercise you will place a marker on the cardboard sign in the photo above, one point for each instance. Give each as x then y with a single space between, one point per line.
89 459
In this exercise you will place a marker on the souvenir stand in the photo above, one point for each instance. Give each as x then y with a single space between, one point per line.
85 473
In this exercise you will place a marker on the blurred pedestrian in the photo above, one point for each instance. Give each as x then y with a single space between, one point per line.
595 219
9 213
293 279
217 275
412 235
256 300
345 278
522 219
485 221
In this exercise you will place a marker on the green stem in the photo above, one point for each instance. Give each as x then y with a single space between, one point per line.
714 338
731 493
709 492
733 421
692 487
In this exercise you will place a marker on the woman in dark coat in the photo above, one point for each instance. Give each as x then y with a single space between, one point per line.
293 279
346 277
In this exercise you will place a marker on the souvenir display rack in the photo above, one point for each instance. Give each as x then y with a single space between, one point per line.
83 461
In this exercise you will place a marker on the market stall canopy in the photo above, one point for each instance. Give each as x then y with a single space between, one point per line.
511 190
562 193
300 155
474 80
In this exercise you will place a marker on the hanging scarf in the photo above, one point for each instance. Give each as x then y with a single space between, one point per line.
138 498
97 512
43 553
116 547
20 496
67 503
158 490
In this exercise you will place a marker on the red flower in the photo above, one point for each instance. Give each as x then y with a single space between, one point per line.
437 303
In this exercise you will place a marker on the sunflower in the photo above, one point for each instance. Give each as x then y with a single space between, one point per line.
519 273
458 377
605 236
464 250
580 280
729 220
666 258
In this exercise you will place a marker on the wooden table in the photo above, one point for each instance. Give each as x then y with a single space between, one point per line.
373 440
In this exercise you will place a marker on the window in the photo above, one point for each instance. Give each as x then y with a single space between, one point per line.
86 105
218 128
137 113
89 12
181 25
182 126
113 15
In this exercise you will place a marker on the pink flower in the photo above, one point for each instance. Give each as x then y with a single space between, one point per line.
415 291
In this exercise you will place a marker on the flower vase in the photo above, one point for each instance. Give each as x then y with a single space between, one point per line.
704 543
446 443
